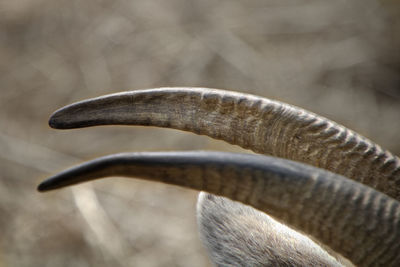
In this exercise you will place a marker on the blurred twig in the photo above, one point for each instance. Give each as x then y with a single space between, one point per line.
110 240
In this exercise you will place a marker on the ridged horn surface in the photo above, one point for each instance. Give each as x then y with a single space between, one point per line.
259 124
360 223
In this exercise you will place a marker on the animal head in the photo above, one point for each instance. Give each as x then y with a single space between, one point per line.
323 193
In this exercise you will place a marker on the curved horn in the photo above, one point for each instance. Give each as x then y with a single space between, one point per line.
260 124
351 218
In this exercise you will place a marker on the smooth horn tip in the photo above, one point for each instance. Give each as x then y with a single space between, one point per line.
91 112
44 186
53 122
55 182
60 119
52 183
69 117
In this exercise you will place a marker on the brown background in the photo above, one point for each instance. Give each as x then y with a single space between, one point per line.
340 59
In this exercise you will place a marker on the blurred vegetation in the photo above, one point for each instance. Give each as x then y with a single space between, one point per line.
340 59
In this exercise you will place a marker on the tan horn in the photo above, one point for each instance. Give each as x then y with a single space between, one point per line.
354 220
260 124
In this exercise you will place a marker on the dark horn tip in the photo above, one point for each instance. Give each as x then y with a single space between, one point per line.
61 119
53 122
58 121
50 184
43 186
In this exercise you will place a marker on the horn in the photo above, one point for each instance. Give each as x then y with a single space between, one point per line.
349 217
259 124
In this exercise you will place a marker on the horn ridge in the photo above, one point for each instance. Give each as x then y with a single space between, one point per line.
302 196
275 128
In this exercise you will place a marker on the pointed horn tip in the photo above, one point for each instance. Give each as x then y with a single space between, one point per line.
51 183
56 120
43 187
63 119
53 122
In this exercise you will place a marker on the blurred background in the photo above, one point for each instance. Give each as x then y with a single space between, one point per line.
340 59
